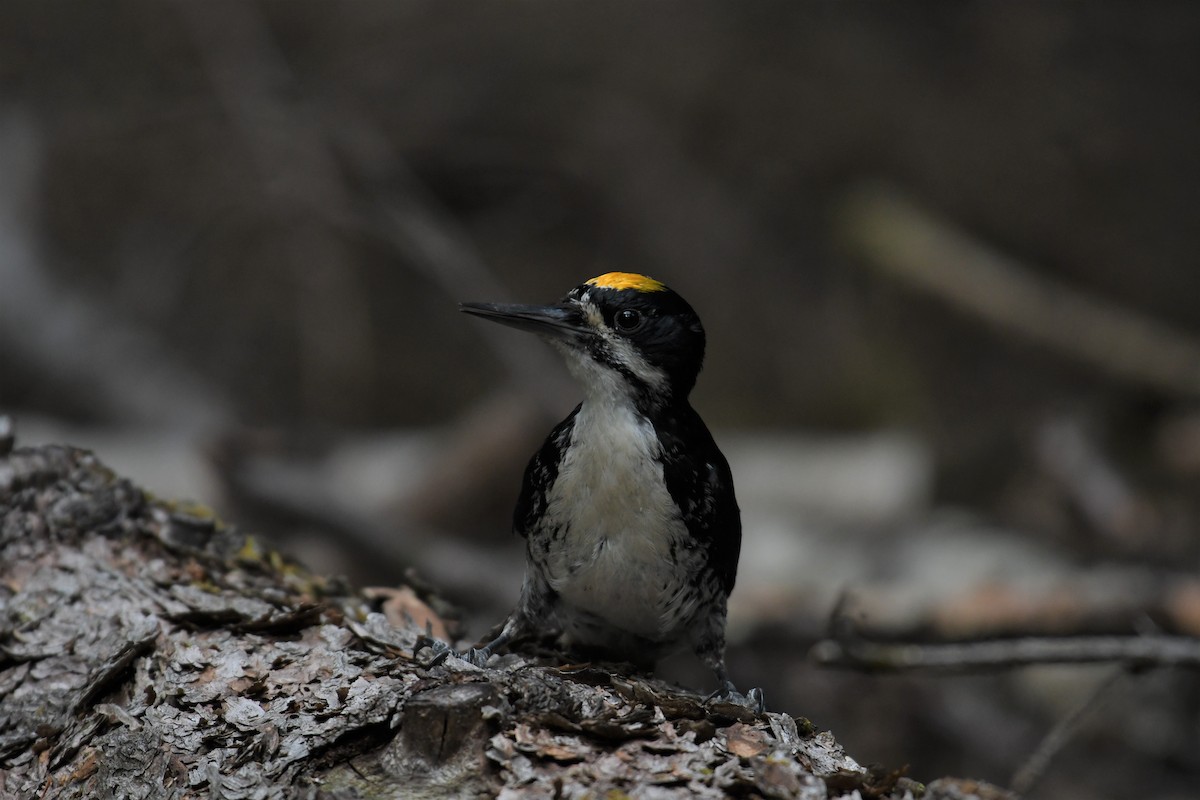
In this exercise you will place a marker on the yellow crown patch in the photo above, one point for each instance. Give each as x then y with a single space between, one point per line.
627 280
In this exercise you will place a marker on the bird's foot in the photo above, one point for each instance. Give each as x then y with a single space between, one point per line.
440 650
754 700
478 656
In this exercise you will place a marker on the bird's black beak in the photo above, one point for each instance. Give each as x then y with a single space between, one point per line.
563 321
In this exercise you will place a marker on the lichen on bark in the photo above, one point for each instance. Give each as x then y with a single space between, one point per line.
149 650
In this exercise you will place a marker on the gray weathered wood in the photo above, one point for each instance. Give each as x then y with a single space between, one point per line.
149 650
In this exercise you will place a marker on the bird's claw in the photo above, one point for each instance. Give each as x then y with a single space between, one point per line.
478 656
441 650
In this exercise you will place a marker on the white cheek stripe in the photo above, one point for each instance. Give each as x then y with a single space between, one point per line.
628 357
621 349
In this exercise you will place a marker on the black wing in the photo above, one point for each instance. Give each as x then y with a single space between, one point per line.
540 475
698 476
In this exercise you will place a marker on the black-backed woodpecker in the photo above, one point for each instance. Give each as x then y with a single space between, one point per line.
631 526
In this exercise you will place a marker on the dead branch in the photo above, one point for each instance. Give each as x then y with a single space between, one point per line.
1141 651
1074 460
1028 775
913 244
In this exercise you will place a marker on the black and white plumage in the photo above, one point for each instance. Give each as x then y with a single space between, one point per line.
628 510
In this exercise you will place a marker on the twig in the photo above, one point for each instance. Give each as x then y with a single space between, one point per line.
910 243
1027 776
1091 480
1159 651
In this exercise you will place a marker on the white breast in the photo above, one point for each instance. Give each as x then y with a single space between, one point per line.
619 525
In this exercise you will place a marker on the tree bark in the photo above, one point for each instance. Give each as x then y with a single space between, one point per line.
149 650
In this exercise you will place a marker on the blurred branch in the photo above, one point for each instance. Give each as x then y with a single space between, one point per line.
301 180
1025 778
1075 461
845 647
1157 651
313 504
303 161
290 495
300 158
912 244
75 342
404 215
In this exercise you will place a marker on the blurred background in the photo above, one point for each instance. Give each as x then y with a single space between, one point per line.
945 255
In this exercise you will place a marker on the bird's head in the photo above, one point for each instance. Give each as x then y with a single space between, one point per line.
622 334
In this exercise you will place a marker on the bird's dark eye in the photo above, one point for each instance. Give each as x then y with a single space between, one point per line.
628 320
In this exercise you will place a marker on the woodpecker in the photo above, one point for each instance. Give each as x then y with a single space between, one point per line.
631 525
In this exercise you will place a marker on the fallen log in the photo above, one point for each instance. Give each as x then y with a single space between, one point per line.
148 649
